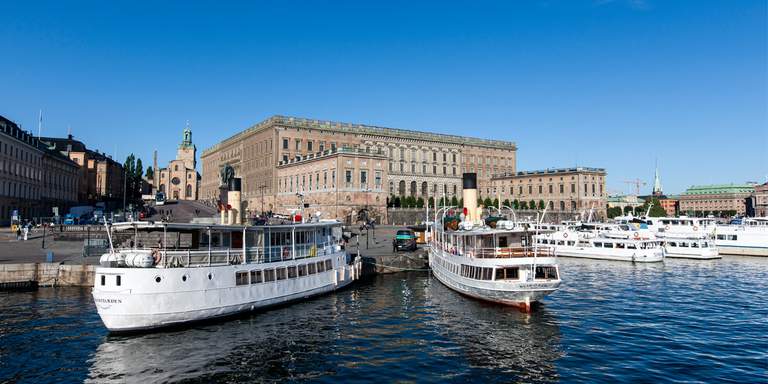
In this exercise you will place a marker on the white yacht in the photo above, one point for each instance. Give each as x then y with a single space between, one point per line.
498 264
603 246
750 238
167 274
689 245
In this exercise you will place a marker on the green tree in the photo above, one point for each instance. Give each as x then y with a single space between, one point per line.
138 172
488 202
515 204
495 202
419 203
431 201
479 201
150 174
454 201
532 205
613 212
523 205
541 204
396 202
461 202
506 203
627 210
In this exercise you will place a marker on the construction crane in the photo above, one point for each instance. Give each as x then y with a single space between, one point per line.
637 183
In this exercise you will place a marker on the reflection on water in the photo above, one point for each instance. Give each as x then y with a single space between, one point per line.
681 320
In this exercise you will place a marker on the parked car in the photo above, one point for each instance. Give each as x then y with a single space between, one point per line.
405 240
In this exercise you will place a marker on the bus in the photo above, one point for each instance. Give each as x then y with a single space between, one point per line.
160 198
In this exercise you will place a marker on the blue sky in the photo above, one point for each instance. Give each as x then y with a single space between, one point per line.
614 84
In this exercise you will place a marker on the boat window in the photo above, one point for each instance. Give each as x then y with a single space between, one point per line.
508 273
732 237
598 245
311 268
281 273
631 246
546 273
503 242
215 239
320 266
328 265
103 280
620 245
269 275
672 244
302 270
487 273
571 243
118 279
683 244
255 277
704 245
561 242
694 245
721 237
292 272
241 278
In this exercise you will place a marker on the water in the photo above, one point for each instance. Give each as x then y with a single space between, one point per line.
680 321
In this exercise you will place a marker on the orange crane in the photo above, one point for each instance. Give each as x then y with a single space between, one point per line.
637 183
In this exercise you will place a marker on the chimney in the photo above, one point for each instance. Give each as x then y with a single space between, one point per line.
469 195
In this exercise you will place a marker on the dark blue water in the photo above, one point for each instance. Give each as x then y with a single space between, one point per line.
681 321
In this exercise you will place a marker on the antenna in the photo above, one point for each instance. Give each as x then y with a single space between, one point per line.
40 124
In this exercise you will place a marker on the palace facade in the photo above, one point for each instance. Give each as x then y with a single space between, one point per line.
419 164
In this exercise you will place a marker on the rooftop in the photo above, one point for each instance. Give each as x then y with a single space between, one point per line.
551 171
333 126
716 189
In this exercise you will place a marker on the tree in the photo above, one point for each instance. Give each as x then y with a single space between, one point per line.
479 201
506 203
523 205
495 202
150 174
454 201
431 201
138 172
396 203
515 204
656 209
613 212
419 203
461 202
627 210
541 204
532 205
488 202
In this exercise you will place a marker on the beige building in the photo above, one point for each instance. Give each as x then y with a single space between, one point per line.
100 178
180 180
564 190
339 182
760 198
419 164
33 178
711 199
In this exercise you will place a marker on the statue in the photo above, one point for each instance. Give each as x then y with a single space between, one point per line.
227 173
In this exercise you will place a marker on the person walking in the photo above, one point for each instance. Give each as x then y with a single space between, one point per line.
18 232
26 232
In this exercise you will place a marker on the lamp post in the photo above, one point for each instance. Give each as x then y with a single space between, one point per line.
367 216
261 188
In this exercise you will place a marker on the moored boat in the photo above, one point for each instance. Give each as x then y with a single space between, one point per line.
498 264
167 274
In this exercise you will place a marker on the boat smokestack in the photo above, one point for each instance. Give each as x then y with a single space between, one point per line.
234 200
469 195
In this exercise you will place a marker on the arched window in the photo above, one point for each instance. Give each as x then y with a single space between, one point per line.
189 190
401 188
424 189
562 205
413 188
176 167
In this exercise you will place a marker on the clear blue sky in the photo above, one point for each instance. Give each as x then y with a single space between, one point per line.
612 84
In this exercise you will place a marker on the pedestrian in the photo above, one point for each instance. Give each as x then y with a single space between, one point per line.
26 232
18 232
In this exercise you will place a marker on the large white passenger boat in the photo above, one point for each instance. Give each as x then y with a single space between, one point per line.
167 274
748 239
498 264
689 245
603 246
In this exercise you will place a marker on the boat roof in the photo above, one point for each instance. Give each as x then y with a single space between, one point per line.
131 225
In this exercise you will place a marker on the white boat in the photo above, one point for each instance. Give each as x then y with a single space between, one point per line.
689 246
747 239
200 272
597 245
498 264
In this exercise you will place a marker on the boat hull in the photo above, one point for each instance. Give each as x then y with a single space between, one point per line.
693 253
188 295
743 250
640 256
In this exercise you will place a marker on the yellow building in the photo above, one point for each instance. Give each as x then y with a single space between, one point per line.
180 180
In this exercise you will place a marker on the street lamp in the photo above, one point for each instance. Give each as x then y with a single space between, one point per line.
367 216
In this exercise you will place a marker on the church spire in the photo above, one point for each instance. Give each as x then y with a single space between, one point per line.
187 140
657 181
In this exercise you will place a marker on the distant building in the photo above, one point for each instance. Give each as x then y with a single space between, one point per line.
760 200
623 201
100 178
180 180
563 189
671 204
712 199
33 178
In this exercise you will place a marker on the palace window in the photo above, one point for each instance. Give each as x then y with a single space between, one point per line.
363 178
309 145
285 143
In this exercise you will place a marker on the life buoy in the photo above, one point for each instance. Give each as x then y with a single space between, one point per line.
666 227
695 228
637 235
565 235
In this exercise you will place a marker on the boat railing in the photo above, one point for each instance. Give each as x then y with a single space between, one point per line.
229 256
511 252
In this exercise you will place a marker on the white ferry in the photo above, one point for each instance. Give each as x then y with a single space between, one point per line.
603 246
689 245
682 224
498 264
167 274
748 239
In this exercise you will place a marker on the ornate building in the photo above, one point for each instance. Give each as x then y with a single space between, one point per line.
418 164
180 180
714 199
565 189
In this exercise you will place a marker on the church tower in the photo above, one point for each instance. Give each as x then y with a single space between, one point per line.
657 182
187 151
